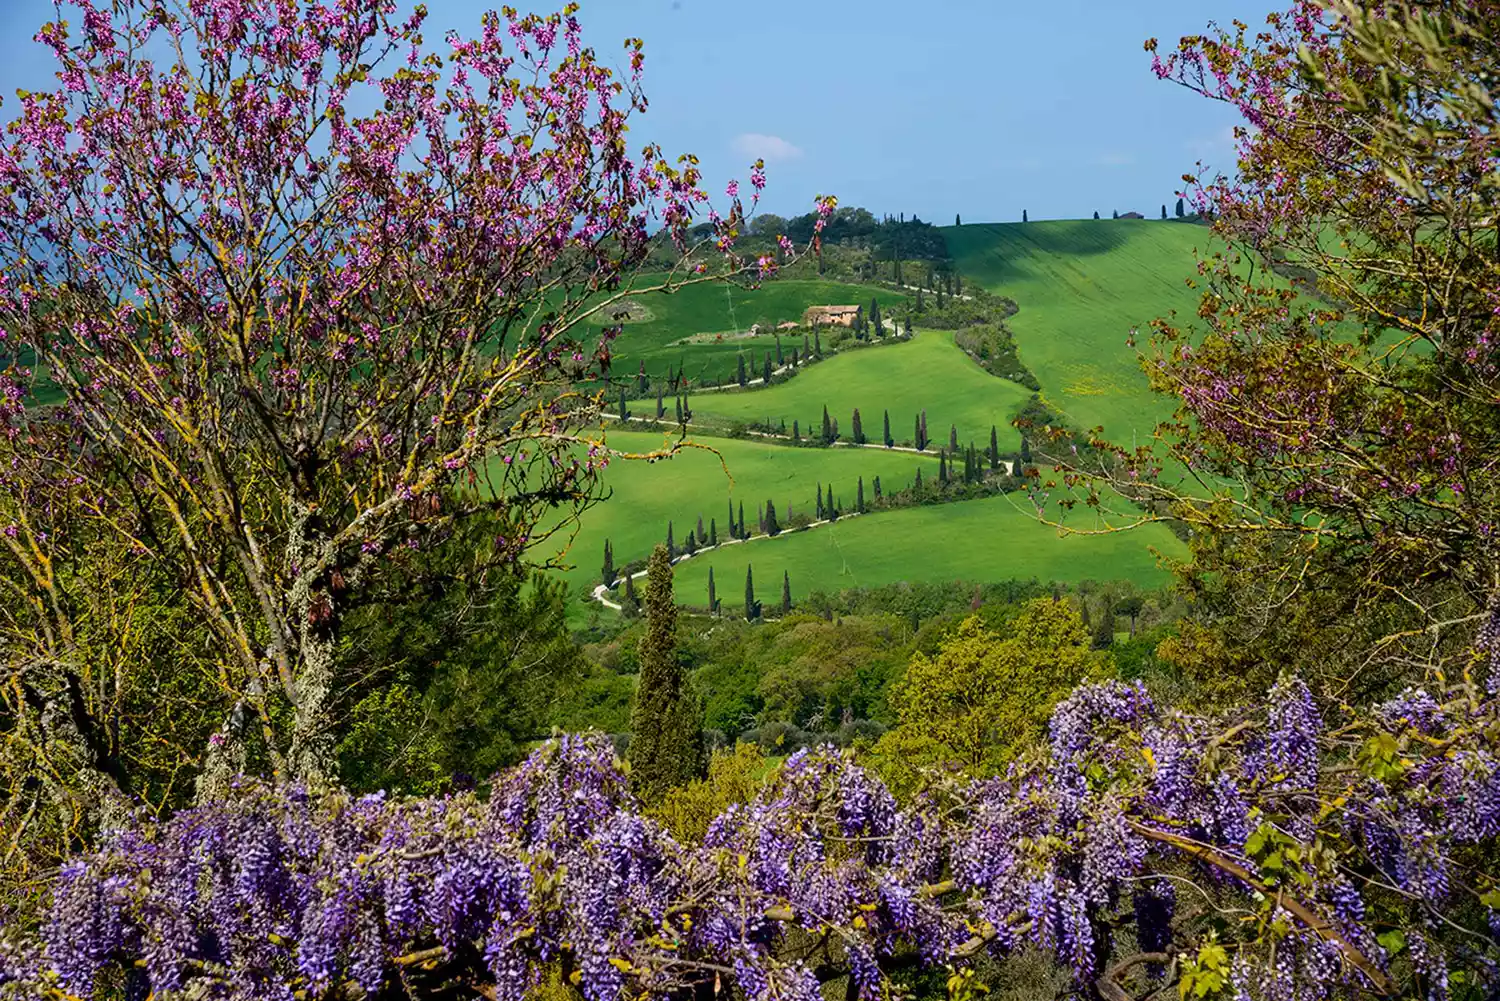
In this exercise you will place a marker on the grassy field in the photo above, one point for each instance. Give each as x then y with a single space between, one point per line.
927 372
648 495
714 309
981 540
1081 285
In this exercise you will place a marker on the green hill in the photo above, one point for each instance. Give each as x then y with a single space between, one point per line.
927 373
991 539
1081 286
681 330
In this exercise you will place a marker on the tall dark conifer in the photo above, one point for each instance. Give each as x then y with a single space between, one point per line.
713 531
743 533
765 370
786 593
671 549
818 494
829 507
713 598
666 719
877 488
739 375
994 447
661 407
773 527
857 429
827 427
624 414
953 437
889 441
608 570
752 607
859 496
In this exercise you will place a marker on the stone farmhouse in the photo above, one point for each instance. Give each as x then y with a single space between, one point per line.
829 316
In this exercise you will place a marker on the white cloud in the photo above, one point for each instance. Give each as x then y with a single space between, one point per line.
1117 159
755 146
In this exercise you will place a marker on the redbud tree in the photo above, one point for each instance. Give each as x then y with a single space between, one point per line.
286 293
1337 387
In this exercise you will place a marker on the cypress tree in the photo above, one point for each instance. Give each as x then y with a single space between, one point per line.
666 719
628 603
943 468
1114 214
858 429
701 537
1025 450
661 407
796 431
772 526
919 300
778 351
795 361
1104 632
818 493
687 411
925 440
691 545
875 315
752 607
786 593
783 427
671 549
740 373
994 447
889 441
760 520
765 372
817 344
677 402
608 571
859 496
1023 215
953 437
906 326
806 347
1164 210
732 533
1179 208
828 506
877 488
743 533
827 427
835 429
713 599
713 532
624 414
641 382
957 221
1096 214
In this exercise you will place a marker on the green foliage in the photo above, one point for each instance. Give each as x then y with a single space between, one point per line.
733 777
666 731
390 743
986 694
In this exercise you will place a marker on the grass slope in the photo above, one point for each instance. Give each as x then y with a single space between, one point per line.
990 539
648 495
927 372
715 308
1081 285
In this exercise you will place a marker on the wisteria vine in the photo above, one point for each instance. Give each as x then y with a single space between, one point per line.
1273 854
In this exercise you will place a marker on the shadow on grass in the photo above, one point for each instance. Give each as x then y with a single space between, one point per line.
990 251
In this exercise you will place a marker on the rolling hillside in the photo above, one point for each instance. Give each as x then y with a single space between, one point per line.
1081 286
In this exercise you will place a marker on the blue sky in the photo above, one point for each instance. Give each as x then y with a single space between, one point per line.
978 107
